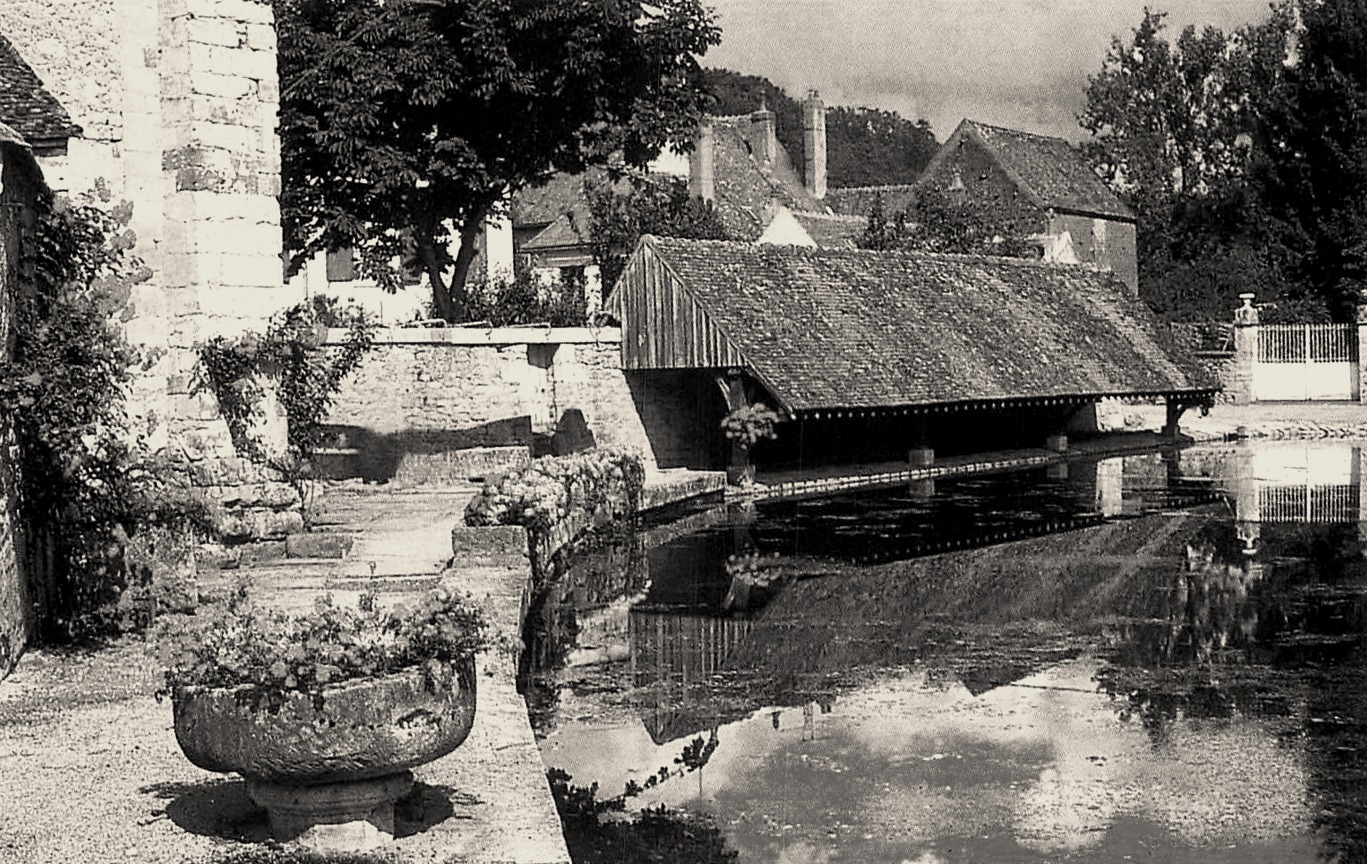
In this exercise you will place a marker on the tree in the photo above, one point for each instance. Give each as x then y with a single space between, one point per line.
622 212
872 147
864 146
405 123
940 222
1313 176
1180 131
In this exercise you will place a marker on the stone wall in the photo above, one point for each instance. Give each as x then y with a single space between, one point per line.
19 181
422 395
178 102
1107 243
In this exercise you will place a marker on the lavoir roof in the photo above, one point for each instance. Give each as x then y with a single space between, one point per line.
827 329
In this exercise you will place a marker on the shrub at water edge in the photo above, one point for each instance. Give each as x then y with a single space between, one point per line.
600 484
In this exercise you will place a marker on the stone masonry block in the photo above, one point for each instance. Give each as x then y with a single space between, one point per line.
235 61
219 84
179 265
215 207
261 37
225 136
248 11
231 112
268 92
228 238
223 32
196 179
260 270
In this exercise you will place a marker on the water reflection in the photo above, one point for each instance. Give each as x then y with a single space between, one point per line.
1165 657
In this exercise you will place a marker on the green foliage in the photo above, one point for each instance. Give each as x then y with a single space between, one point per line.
749 425
524 299
305 375
603 484
87 484
1243 157
271 654
941 222
622 212
872 147
399 119
864 146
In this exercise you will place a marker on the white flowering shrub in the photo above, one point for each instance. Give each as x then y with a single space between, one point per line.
600 484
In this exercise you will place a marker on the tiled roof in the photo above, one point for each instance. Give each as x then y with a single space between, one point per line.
9 136
746 190
543 204
26 106
859 200
852 328
833 232
1049 167
570 229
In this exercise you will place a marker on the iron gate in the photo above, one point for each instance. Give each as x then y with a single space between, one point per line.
1306 361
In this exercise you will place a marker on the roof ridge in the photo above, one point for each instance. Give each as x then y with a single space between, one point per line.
816 214
877 188
1040 135
1008 260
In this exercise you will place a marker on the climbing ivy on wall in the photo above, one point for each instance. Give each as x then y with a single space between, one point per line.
304 374
87 484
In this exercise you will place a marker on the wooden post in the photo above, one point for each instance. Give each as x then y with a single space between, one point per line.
1173 425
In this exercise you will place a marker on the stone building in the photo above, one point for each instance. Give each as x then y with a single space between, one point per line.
1038 184
172 107
20 183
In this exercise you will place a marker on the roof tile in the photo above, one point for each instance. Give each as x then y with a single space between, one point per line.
1053 169
853 328
26 106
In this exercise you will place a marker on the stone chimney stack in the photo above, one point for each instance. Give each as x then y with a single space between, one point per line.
701 178
764 133
814 143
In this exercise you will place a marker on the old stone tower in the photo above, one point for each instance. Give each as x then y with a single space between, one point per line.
177 101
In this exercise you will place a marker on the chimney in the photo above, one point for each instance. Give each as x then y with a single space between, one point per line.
764 133
700 163
814 143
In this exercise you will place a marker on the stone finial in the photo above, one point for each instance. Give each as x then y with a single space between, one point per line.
1247 314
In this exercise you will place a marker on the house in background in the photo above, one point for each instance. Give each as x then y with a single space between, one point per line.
1040 183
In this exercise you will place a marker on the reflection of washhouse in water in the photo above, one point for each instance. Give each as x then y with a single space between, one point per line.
680 653
1312 484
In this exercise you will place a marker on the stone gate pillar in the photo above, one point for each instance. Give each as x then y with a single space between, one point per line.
1362 344
1240 378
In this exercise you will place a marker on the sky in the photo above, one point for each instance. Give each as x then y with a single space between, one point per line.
1016 63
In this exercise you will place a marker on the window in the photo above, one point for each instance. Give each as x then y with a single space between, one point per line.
341 265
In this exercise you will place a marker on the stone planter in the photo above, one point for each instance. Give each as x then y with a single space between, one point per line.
329 774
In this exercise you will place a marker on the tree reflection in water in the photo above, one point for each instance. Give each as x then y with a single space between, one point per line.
1188 626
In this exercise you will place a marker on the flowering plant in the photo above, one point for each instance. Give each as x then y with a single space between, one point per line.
549 489
749 425
270 653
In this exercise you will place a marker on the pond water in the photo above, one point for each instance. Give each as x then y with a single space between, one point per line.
1149 658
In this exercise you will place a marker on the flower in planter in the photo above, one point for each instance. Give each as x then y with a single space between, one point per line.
324 714
749 425
269 654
